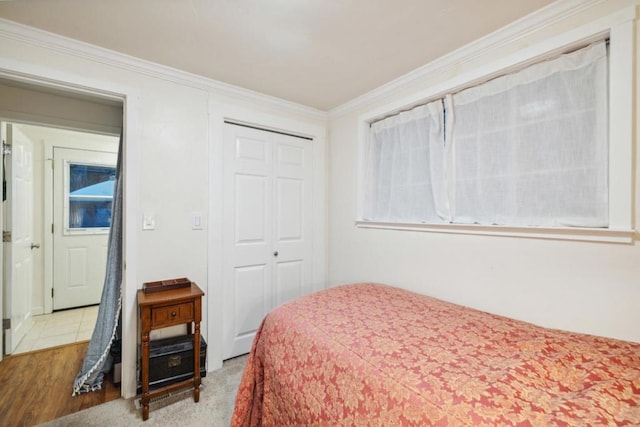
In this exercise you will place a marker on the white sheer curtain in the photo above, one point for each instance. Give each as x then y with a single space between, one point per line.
526 149
405 170
530 148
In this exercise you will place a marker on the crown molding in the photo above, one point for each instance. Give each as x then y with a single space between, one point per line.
61 44
518 29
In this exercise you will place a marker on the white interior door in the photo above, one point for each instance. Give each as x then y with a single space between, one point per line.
267 235
18 252
82 198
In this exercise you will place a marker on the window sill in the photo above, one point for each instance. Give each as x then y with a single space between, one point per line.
554 233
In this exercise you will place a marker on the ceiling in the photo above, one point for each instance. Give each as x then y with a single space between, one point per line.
319 53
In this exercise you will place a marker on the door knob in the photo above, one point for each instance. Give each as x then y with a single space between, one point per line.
275 253
35 245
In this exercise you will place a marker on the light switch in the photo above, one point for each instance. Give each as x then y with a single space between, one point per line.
196 220
149 222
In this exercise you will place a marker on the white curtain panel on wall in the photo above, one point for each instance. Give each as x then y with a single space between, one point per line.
531 148
405 167
526 149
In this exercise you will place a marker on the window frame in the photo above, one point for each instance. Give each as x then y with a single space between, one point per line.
619 29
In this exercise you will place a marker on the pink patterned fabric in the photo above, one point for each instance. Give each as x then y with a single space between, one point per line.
369 354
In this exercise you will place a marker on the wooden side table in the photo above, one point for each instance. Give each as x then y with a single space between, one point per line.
163 309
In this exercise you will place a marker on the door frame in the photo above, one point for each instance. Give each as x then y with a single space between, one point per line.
48 148
218 113
130 98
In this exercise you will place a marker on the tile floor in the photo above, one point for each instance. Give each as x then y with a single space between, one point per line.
58 328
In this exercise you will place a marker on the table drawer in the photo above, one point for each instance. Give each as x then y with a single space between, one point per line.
172 314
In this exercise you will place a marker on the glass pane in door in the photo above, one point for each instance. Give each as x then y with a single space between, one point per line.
90 195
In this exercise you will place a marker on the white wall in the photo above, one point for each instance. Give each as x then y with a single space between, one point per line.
580 286
167 142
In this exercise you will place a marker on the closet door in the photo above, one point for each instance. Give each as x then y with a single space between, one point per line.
267 228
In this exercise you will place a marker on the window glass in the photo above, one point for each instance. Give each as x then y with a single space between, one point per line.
90 195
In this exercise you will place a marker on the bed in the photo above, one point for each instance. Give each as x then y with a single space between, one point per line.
371 354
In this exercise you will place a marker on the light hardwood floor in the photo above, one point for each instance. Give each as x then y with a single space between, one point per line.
36 387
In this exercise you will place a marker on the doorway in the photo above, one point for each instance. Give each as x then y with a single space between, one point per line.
77 101
53 297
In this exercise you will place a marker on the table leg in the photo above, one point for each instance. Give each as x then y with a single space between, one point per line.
196 363
145 376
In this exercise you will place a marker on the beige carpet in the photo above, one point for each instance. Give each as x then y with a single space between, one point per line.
217 397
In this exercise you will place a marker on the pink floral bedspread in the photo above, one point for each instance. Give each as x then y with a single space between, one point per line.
369 354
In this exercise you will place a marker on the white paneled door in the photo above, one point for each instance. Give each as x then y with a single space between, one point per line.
19 257
82 198
267 233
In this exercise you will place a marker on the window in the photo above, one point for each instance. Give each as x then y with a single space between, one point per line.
90 196
405 166
529 148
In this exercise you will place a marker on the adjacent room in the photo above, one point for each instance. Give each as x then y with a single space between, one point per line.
406 213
